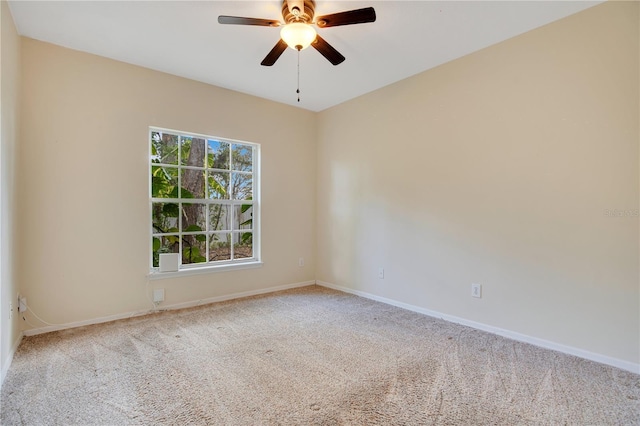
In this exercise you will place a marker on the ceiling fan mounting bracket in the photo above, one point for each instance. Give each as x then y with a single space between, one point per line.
294 14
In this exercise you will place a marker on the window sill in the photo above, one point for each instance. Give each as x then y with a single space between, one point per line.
155 275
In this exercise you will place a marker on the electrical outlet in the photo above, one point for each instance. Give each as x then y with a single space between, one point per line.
10 310
301 262
22 304
476 290
381 273
158 295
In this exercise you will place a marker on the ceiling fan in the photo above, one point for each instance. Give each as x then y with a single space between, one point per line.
297 30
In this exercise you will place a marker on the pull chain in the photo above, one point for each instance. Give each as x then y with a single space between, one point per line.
298 89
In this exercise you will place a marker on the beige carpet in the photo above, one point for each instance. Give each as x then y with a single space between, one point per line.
309 356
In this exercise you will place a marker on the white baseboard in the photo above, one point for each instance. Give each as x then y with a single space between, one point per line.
41 330
7 362
603 359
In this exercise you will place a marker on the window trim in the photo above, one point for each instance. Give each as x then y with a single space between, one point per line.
217 266
208 269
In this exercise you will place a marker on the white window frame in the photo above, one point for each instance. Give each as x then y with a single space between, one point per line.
208 266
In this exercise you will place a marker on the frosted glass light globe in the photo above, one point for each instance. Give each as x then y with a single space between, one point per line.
297 35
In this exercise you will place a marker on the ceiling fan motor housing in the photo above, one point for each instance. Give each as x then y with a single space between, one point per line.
305 16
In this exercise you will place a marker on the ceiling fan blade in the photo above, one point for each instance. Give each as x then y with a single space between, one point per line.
239 20
275 53
356 16
327 51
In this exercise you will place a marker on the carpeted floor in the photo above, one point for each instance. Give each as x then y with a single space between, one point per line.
310 356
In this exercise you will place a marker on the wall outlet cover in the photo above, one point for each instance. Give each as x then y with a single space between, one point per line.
476 290
158 295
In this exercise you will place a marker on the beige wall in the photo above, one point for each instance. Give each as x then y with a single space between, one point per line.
497 168
84 213
9 124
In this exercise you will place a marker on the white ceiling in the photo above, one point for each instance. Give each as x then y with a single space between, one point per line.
184 38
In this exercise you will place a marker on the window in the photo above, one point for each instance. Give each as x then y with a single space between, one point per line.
204 193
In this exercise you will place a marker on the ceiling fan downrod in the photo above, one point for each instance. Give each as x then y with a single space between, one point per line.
298 89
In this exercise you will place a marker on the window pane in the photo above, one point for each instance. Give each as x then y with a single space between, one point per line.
192 151
194 217
164 148
243 217
166 244
164 182
219 217
217 155
218 184
242 245
242 158
194 249
164 218
192 184
219 247
242 186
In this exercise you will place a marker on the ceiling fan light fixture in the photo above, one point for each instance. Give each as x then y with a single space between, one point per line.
298 35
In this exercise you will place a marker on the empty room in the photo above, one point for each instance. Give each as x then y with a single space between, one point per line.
319 212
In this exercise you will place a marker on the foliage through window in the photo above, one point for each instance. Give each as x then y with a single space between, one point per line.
203 192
